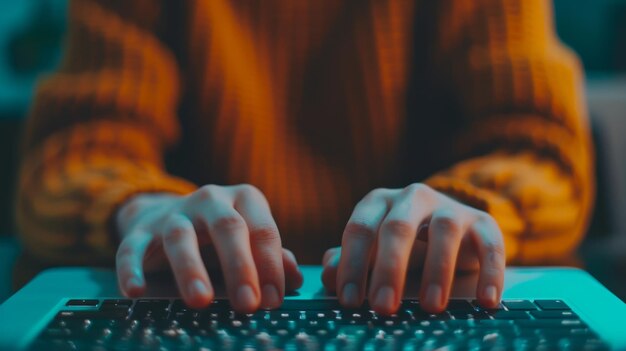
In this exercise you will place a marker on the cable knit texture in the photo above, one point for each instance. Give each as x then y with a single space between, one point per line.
316 102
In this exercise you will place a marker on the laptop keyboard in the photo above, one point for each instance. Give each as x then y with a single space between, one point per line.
164 324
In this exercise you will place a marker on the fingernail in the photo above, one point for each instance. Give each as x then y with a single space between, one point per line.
270 298
490 293
385 298
350 294
197 288
433 295
246 297
133 283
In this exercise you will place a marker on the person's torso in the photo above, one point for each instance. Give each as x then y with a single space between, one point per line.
305 100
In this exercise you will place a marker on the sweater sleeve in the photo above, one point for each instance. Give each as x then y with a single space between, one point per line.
524 148
97 132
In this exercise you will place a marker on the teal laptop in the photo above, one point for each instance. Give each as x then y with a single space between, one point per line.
542 309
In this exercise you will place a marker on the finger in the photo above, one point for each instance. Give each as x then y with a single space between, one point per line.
229 234
180 244
395 241
265 244
330 262
444 240
357 245
293 274
129 263
491 255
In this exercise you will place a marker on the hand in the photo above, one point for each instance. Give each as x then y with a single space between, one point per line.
159 230
381 234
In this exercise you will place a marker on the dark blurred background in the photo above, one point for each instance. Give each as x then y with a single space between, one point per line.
31 36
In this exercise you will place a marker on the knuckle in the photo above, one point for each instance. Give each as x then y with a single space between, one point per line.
206 192
128 211
360 229
265 233
419 190
398 227
228 223
249 190
446 224
375 194
486 218
174 234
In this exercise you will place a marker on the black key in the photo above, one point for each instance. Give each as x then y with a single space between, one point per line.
184 316
152 303
154 309
126 302
113 306
551 323
460 305
357 316
519 305
220 304
511 315
89 302
554 314
92 315
423 316
409 304
552 305
180 306
470 315
493 323
318 315
285 314
481 308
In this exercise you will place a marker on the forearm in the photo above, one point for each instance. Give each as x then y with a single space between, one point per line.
68 192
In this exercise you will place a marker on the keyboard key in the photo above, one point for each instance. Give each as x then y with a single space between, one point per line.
180 306
120 305
470 315
519 305
89 302
152 309
551 323
152 303
552 305
92 315
460 305
554 314
510 315
126 302
491 323
481 308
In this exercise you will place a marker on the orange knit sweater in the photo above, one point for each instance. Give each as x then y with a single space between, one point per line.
316 102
